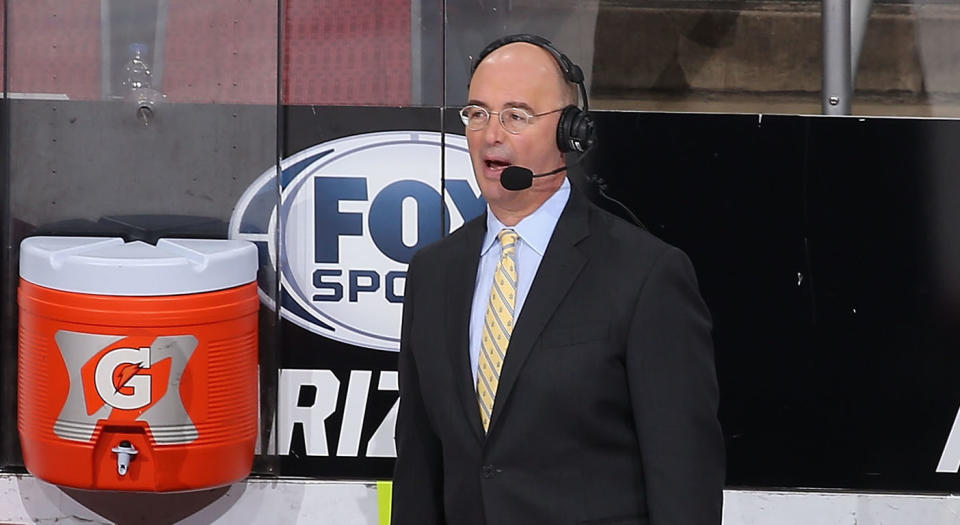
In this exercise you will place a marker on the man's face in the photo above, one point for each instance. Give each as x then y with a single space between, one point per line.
523 76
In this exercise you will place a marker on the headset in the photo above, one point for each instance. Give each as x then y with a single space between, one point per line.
576 130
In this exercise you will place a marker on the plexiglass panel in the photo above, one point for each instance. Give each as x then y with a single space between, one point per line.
570 24
143 119
336 122
362 53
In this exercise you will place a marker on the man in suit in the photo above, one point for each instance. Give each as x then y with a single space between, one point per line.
556 364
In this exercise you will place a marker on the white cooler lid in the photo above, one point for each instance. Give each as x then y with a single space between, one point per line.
110 266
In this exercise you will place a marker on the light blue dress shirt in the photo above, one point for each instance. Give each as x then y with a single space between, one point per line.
535 231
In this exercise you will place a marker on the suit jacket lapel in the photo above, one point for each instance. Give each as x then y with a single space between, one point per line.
460 284
558 269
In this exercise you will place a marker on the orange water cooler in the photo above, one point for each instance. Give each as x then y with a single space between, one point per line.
137 363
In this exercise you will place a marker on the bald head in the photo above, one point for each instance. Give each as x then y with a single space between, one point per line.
531 60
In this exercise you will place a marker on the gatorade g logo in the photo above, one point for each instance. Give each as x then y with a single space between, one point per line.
349 215
119 371
120 383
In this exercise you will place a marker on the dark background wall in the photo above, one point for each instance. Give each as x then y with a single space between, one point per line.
827 251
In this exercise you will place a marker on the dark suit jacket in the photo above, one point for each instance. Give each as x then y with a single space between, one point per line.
606 411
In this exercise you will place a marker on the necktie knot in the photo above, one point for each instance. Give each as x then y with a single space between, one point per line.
508 239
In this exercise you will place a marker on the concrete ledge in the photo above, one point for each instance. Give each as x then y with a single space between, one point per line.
889 104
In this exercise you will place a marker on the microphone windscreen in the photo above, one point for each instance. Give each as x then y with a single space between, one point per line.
516 178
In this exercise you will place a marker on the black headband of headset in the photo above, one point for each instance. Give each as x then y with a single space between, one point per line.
571 72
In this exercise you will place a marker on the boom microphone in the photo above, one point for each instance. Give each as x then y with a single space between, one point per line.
515 178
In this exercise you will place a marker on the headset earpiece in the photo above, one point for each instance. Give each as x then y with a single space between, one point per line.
575 130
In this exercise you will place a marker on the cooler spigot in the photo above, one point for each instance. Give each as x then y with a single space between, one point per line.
125 452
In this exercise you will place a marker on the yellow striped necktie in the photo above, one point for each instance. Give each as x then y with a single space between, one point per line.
497 325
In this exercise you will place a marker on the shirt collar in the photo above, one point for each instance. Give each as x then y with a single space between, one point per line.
535 229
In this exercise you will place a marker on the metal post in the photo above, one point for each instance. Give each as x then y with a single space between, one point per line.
106 71
859 14
837 86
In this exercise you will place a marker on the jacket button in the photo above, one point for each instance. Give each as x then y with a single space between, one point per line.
489 471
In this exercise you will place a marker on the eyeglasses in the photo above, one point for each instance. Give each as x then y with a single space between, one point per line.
514 120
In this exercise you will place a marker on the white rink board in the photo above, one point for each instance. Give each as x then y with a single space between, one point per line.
24 499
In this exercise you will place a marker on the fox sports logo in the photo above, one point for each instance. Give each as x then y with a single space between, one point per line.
343 221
